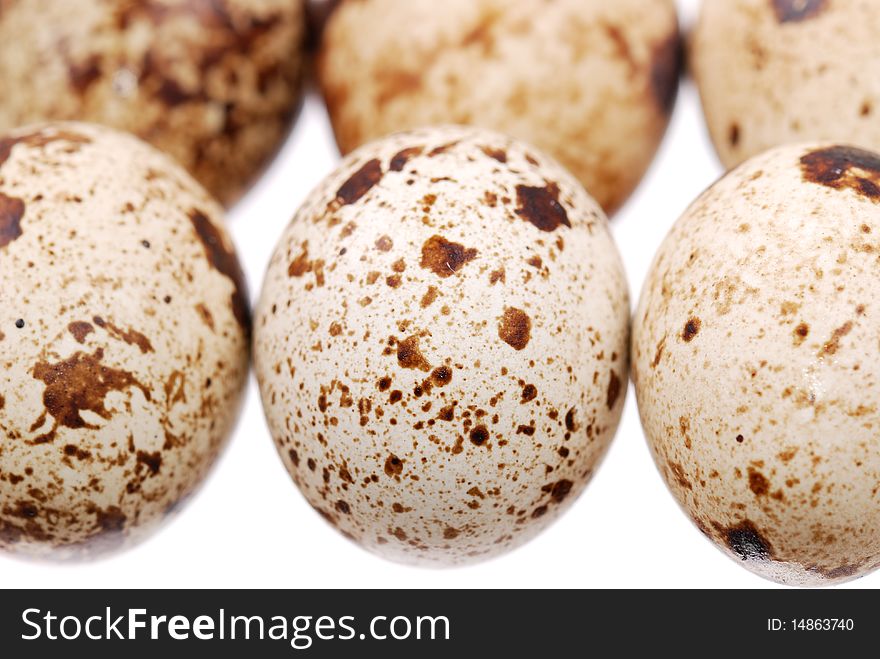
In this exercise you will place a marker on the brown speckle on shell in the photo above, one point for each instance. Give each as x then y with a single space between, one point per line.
11 211
80 330
541 207
360 183
409 355
445 258
515 327
746 541
691 329
844 167
399 161
223 259
77 384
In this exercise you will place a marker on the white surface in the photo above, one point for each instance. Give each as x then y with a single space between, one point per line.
250 527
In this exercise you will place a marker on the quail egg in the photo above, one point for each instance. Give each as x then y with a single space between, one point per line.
214 83
755 360
441 344
590 82
123 338
773 72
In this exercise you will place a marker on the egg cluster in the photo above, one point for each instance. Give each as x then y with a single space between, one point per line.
442 340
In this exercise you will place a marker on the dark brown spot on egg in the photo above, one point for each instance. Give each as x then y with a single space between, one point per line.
450 533
496 154
79 383
301 264
541 207
224 260
447 413
733 135
679 475
795 11
360 183
80 330
83 75
129 336
443 148
110 520
384 244
429 297
445 258
833 344
11 212
514 328
398 162
39 140
441 376
691 329
844 167
529 393
747 542
570 421
559 490
409 355
71 450
666 65
758 483
153 461
839 572
393 465
613 392
479 435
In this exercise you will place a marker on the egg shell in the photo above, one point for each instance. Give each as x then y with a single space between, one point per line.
774 72
590 82
214 83
441 344
756 365
123 338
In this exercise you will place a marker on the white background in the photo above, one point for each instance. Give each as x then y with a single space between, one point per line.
250 527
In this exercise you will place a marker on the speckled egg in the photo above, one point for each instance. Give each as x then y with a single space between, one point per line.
757 363
123 338
773 72
441 344
215 83
591 82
